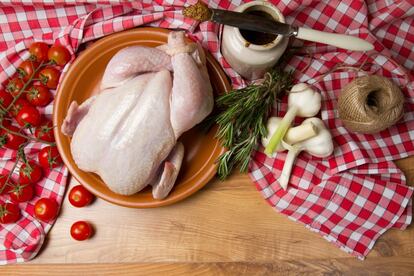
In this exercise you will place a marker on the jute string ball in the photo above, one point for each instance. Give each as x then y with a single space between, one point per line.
370 104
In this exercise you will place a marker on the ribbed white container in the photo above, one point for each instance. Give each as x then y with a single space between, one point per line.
252 60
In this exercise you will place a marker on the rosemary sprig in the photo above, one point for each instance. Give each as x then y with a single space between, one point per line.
242 118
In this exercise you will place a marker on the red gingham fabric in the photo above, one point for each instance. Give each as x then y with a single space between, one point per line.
350 198
358 193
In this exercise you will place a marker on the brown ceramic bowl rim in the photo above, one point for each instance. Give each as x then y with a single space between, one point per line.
74 170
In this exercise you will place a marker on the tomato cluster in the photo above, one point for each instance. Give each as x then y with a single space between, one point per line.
19 103
22 122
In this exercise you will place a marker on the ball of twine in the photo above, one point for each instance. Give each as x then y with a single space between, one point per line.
370 104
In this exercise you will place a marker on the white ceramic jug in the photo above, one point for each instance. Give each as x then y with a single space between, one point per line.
248 59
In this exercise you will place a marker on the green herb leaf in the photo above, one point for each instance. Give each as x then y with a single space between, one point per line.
242 118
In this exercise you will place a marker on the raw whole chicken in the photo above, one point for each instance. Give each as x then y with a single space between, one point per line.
127 134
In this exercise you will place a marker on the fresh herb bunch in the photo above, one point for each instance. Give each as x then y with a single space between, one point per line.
242 118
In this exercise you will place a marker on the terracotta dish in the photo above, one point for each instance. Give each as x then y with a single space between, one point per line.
81 81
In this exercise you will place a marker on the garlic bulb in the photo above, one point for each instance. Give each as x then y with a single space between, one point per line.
320 145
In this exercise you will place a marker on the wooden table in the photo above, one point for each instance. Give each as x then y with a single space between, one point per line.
225 228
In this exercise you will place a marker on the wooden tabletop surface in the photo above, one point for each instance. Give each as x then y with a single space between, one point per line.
226 228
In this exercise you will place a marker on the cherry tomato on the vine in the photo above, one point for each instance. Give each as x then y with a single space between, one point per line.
49 157
14 86
17 106
81 230
79 196
30 173
5 186
49 76
6 122
39 51
28 115
46 209
9 213
10 139
45 132
27 68
38 95
59 55
5 99
21 192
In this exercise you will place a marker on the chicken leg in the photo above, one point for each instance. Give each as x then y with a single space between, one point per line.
163 185
192 98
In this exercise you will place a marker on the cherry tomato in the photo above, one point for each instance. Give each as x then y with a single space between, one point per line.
28 115
30 173
45 132
17 106
39 51
5 99
14 86
38 95
21 193
9 213
81 230
5 186
46 209
11 140
49 157
59 55
49 76
6 122
79 196
26 69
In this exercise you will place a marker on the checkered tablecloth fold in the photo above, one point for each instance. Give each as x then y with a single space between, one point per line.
350 198
358 193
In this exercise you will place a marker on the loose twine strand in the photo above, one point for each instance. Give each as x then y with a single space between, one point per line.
368 104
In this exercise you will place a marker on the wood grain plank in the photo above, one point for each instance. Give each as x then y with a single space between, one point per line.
407 166
372 266
226 221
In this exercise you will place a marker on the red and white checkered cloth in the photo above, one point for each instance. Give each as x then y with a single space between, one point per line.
351 198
